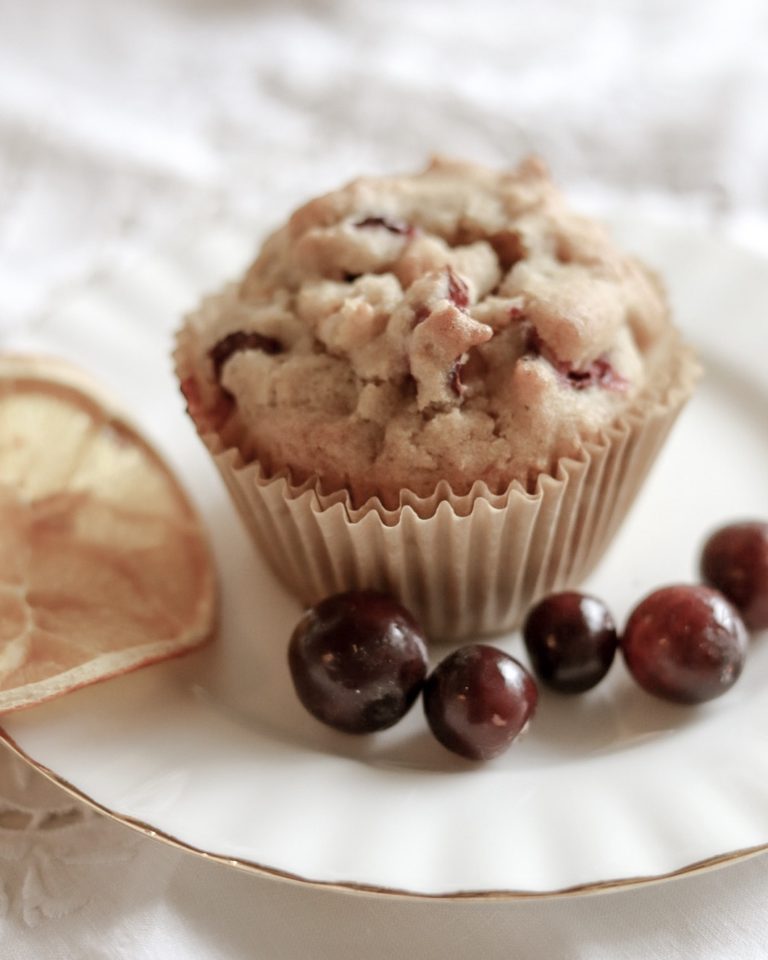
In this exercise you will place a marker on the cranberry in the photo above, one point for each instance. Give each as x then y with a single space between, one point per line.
571 640
454 377
394 226
209 418
191 393
238 341
458 291
534 345
358 661
458 294
599 373
478 700
735 561
685 643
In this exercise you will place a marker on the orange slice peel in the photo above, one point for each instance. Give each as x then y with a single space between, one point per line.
104 564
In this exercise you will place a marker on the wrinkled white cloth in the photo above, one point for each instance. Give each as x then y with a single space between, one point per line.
123 123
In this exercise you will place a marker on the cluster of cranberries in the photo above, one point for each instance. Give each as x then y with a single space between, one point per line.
359 660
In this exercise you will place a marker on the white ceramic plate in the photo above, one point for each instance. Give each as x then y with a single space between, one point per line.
214 751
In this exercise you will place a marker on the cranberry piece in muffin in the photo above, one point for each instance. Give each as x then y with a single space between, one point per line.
600 373
239 341
394 226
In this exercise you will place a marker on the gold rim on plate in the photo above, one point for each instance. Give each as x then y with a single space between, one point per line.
248 866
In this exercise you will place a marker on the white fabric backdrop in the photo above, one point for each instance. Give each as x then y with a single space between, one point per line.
122 123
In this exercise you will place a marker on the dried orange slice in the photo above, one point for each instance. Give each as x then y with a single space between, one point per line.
104 566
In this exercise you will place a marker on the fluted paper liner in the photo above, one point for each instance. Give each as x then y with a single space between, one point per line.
466 565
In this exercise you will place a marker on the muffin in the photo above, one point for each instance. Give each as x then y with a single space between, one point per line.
446 385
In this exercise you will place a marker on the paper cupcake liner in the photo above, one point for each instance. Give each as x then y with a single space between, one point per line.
466 565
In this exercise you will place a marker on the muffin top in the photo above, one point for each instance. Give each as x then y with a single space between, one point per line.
460 324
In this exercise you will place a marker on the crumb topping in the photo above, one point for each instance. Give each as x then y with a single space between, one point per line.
460 323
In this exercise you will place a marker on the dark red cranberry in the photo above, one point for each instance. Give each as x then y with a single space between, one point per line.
212 417
454 377
534 344
735 561
478 700
358 661
685 643
458 291
571 640
458 294
394 226
238 341
600 373
191 393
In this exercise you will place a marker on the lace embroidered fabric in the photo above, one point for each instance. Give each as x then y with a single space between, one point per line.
55 852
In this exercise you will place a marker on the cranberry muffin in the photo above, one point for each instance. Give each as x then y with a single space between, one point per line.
454 334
